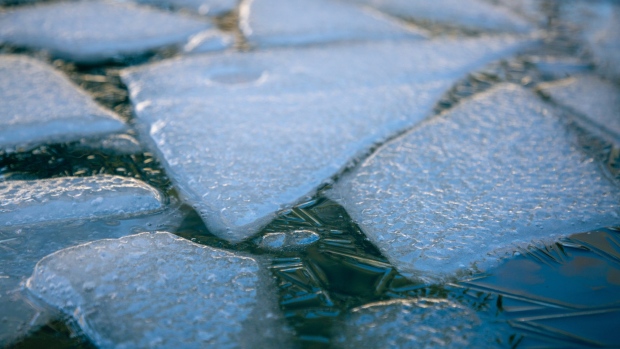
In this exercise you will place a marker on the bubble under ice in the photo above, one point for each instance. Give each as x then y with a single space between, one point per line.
39 105
159 290
96 31
464 188
246 134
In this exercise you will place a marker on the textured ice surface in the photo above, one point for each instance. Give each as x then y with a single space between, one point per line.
244 134
95 31
203 7
419 323
294 22
530 9
498 170
287 240
595 99
28 202
477 14
39 105
159 290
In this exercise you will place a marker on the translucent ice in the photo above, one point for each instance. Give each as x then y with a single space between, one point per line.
598 101
39 105
291 22
159 290
244 134
28 202
203 7
462 189
95 31
477 14
287 240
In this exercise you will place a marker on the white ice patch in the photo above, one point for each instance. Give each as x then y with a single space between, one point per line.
302 22
39 105
158 290
96 31
70 198
462 189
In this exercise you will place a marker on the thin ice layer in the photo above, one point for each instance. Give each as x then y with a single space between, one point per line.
69 198
96 31
476 14
203 7
38 105
245 134
302 22
597 100
457 192
158 290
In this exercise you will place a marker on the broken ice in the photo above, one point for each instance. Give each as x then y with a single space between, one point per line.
96 31
245 134
158 290
68 198
39 105
462 189
287 240
203 7
295 22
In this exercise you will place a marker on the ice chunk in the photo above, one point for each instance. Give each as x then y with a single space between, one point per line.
96 31
39 105
287 240
417 323
596 100
477 15
203 7
158 290
302 22
605 45
460 190
244 134
28 202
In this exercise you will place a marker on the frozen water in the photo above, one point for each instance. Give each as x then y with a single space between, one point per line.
159 290
203 7
418 323
39 105
120 144
462 189
29 202
96 31
477 14
295 22
244 134
596 100
287 240
530 9
605 45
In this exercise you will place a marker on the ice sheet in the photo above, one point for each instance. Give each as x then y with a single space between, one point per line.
203 7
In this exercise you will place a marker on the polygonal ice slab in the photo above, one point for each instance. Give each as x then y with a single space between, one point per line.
597 100
203 7
39 105
417 323
302 22
96 31
29 202
477 15
462 189
158 290
246 134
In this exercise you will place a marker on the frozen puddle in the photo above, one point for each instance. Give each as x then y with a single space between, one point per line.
461 190
244 135
158 290
69 198
96 31
295 22
39 105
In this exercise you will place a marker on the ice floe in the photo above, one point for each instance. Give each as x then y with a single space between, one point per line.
245 134
68 198
203 7
302 22
96 31
461 190
159 290
39 105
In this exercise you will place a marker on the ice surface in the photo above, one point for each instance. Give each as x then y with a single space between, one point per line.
477 14
245 134
39 105
464 188
592 98
299 22
29 202
287 240
96 31
418 323
159 290
203 7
